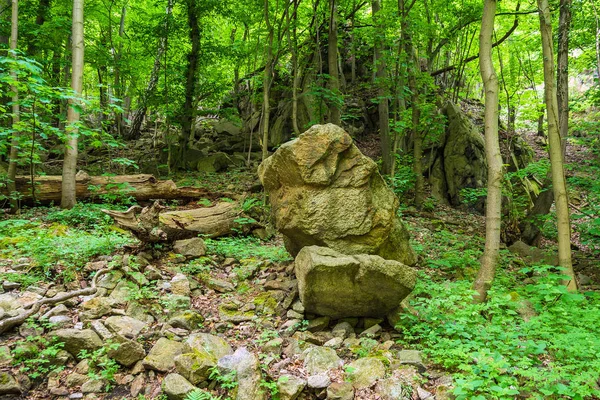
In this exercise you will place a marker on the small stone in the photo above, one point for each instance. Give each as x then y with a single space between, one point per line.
95 308
290 387
7 285
176 387
342 330
341 391
128 353
424 394
137 385
298 307
60 309
59 391
318 324
191 248
94 386
8 384
137 311
82 367
273 346
125 326
122 292
291 314
139 278
220 285
5 356
76 396
364 372
372 331
319 381
60 321
76 340
319 360
178 302
76 379
110 280
369 322
153 273
101 330
162 355
392 389
188 320
180 285
411 357
334 343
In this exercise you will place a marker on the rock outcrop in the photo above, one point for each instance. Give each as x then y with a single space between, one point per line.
339 286
325 192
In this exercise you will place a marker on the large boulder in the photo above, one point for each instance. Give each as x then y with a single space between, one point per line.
325 192
340 286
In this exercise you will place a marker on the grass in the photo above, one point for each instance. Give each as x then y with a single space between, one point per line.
247 247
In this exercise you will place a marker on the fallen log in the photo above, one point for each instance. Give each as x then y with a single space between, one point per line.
153 224
141 187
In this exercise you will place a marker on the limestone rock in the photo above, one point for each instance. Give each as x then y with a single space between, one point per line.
364 372
76 340
5 356
325 192
128 353
93 386
125 326
186 320
176 387
191 248
206 350
249 376
319 360
162 355
337 285
392 389
319 381
8 384
340 391
180 285
290 387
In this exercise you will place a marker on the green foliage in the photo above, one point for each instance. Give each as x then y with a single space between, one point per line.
246 247
36 354
404 179
226 381
200 394
493 352
101 365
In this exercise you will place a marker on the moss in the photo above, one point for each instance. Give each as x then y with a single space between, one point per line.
265 303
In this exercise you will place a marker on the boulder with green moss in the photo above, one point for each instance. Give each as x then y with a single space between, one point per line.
325 192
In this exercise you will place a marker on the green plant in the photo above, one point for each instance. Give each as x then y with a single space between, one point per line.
271 388
101 365
226 381
37 356
246 247
199 394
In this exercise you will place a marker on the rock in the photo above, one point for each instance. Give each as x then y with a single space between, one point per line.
5 356
8 285
9 303
220 285
364 372
424 394
249 376
340 391
532 254
75 379
176 387
210 344
110 280
128 353
60 321
371 332
319 360
60 309
334 343
342 330
122 292
392 389
180 285
291 314
137 385
318 324
324 191
191 248
319 381
60 359
137 311
189 320
153 273
214 163
411 357
76 340
8 384
298 307
338 285
290 387
178 302
369 322
206 350
138 278
162 355
125 326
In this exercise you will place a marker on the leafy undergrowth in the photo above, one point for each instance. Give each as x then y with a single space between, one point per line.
246 247
531 339
57 243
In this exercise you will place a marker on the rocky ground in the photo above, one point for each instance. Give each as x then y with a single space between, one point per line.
167 319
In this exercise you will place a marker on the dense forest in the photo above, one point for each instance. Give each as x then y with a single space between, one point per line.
301 199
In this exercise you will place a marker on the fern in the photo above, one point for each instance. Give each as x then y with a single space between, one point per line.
201 395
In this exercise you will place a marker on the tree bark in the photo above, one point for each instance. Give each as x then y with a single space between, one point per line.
381 83
489 261
335 115
267 83
189 112
141 187
117 86
68 198
293 43
16 112
559 185
562 73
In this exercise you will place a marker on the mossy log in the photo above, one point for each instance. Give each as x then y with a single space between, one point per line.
153 224
141 187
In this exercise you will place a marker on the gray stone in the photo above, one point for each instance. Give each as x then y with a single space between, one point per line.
392 389
371 332
76 340
324 191
290 387
364 372
110 280
180 285
176 387
340 391
337 285
188 320
76 379
319 381
128 353
125 326
191 248
60 321
94 386
248 373
60 309
318 324
220 285
8 384
122 292
319 360
5 356
424 394
214 163
411 357
162 355
342 330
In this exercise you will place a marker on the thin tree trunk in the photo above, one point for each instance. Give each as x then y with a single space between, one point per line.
597 18
381 82
559 185
489 261
189 112
117 86
267 83
68 198
335 115
14 145
562 73
293 42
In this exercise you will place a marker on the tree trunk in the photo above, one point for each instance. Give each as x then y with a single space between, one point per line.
335 115
267 83
293 40
117 86
141 187
16 112
152 225
381 82
555 147
40 18
489 261
68 198
189 113
562 76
